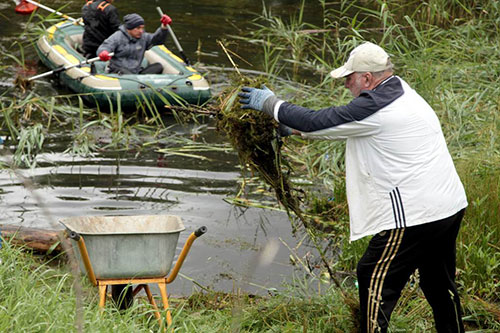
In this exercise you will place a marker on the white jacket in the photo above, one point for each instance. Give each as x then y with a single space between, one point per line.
399 172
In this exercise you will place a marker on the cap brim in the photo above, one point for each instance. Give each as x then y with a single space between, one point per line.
340 72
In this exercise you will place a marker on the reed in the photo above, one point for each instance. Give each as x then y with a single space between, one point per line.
255 139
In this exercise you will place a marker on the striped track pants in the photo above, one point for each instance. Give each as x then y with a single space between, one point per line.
393 255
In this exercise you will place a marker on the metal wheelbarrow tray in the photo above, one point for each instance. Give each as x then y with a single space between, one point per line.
127 246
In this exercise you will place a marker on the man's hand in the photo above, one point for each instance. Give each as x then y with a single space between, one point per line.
104 56
165 20
254 98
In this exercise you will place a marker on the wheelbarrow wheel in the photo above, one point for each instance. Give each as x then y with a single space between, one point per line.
122 296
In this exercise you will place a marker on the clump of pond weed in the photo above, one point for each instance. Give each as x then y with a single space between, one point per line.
254 136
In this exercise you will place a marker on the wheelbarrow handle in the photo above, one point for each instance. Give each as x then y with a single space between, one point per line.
180 260
74 235
200 231
84 254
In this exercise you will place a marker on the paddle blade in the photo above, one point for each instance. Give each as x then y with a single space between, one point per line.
25 8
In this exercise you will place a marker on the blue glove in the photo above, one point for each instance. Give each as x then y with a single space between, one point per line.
254 98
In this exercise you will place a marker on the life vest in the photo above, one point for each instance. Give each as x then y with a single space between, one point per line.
102 6
101 20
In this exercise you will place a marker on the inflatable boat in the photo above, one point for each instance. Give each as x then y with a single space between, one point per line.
178 84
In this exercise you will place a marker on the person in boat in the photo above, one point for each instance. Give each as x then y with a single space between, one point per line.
402 185
130 43
101 21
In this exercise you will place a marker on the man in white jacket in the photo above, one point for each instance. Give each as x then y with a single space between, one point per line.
402 186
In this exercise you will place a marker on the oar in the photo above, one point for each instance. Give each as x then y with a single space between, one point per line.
75 21
64 68
176 41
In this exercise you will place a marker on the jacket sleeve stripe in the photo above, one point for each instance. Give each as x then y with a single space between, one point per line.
397 208
401 205
361 107
394 210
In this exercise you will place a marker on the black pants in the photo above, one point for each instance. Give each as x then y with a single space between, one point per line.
155 68
393 255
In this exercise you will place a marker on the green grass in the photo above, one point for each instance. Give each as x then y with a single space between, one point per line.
41 295
38 295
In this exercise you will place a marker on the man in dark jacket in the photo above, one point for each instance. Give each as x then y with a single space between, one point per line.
130 43
101 20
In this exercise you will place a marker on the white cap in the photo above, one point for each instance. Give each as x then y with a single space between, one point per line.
367 57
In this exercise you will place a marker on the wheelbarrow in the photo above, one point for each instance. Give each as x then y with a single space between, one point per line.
126 250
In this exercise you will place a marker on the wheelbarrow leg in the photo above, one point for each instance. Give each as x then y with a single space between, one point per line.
152 301
102 296
164 298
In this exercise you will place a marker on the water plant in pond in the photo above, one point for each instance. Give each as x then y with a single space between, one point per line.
255 139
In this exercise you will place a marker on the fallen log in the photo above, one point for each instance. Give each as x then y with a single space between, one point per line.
40 240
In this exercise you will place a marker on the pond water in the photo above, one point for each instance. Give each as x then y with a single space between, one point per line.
122 183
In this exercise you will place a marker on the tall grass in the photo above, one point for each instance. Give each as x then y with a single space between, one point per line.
38 295
27 120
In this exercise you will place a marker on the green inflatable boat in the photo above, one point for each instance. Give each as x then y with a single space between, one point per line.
178 83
